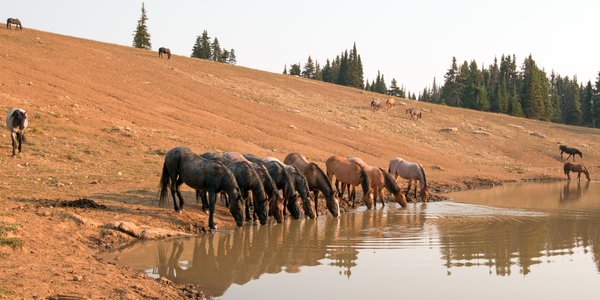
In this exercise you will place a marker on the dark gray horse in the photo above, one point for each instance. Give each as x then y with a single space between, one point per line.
15 22
317 181
16 122
283 181
301 186
183 166
570 151
163 50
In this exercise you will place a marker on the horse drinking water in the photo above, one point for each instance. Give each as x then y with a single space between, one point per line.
183 166
570 167
412 172
16 122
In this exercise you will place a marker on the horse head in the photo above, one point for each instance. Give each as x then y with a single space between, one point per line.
424 194
277 208
368 199
234 207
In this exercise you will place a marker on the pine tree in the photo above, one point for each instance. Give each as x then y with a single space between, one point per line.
484 103
309 69
285 70
367 85
587 105
344 75
141 36
196 50
573 104
394 89
318 71
295 69
450 93
532 91
216 50
232 57
224 56
326 72
502 98
515 107
596 103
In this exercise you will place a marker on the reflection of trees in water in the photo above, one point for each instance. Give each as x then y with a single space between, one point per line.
500 242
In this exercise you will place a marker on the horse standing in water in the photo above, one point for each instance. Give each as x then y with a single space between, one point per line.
570 167
317 181
163 50
351 174
183 166
16 123
15 22
381 179
412 172
570 151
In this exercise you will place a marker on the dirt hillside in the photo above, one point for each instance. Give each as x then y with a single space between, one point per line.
102 116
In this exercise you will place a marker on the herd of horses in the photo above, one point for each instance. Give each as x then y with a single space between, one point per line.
414 113
254 182
569 167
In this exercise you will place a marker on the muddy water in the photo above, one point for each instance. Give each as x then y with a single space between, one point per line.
520 241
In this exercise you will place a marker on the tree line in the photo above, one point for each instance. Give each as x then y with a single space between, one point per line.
525 92
345 69
203 47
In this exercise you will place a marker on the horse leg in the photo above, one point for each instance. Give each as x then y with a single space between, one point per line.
173 187
416 188
352 196
316 192
408 189
381 197
14 143
202 195
578 175
212 201
181 202
20 139
568 175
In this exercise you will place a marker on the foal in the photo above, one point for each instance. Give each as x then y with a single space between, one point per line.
16 122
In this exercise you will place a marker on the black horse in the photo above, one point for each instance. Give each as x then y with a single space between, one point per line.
16 122
163 50
14 21
183 166
283 181
570 151
301 186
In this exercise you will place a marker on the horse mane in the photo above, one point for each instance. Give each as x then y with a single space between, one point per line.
364 181
322 174
424 178
390 184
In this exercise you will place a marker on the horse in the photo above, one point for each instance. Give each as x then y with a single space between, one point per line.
181 166
14 21
414 113
283 181
349 173
302 188
163 50
375 104
317 181
570 167
250 177
381 179
16 123
570 151
390 103
412 172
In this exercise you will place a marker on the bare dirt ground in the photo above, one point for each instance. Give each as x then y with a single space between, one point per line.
102 116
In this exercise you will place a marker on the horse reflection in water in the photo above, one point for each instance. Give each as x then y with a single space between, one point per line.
568 195
217 261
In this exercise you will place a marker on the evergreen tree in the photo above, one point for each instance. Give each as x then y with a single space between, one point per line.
484 103
573 104
596 103
344 75
367 86
532 91
196 48
224 56
394 89
295 69
216 50
232 59
326 72
202 46
502 98
285 70
309 69
318 71
515 107
450 92
141 36
587 105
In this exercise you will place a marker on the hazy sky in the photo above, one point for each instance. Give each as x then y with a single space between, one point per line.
412 41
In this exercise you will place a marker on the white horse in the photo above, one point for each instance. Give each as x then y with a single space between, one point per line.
412 172
16 122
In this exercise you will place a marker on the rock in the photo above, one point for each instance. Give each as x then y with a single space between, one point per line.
481 132
293 127
94 182
449 129
516 126
77 278
120 174
437 168
533 133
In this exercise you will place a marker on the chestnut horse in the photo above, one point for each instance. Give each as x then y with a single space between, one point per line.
380 179
412 172
570 167
352 174
317 181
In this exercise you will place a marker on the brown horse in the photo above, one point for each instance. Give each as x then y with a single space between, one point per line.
570 167
14 21
163 50
390 103
349 173
317 181
412 172
377 177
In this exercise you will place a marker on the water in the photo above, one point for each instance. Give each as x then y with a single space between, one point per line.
519 240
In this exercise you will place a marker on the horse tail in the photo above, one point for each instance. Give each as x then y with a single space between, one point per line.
365 183
163 185
424 178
